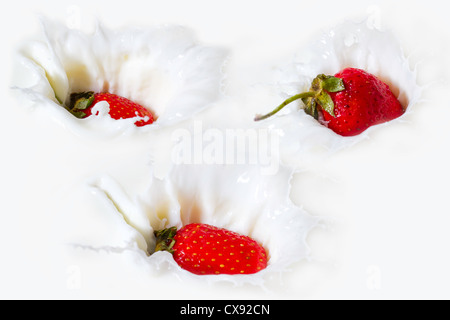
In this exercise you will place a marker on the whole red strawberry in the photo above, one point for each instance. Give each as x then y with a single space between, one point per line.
81 105
204 249
349 102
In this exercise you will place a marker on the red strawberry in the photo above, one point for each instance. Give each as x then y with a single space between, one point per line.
81 105
203 249
348 103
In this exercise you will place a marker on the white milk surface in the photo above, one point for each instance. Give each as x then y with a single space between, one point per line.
362 217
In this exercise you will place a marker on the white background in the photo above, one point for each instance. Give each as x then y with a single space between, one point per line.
388 249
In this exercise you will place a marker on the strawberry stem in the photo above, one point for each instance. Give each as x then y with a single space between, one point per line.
318 95
303 95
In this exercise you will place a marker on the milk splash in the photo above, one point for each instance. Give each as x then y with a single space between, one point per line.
167 70
360 45
236 198
162 68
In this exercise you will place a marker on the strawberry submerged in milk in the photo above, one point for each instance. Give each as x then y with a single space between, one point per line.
81 105
204 249
348 103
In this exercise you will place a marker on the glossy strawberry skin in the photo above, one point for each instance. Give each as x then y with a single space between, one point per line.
365 102
203 249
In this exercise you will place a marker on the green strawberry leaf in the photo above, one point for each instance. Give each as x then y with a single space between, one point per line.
164 239
311 107
333 84
325 101
81 101
79 114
